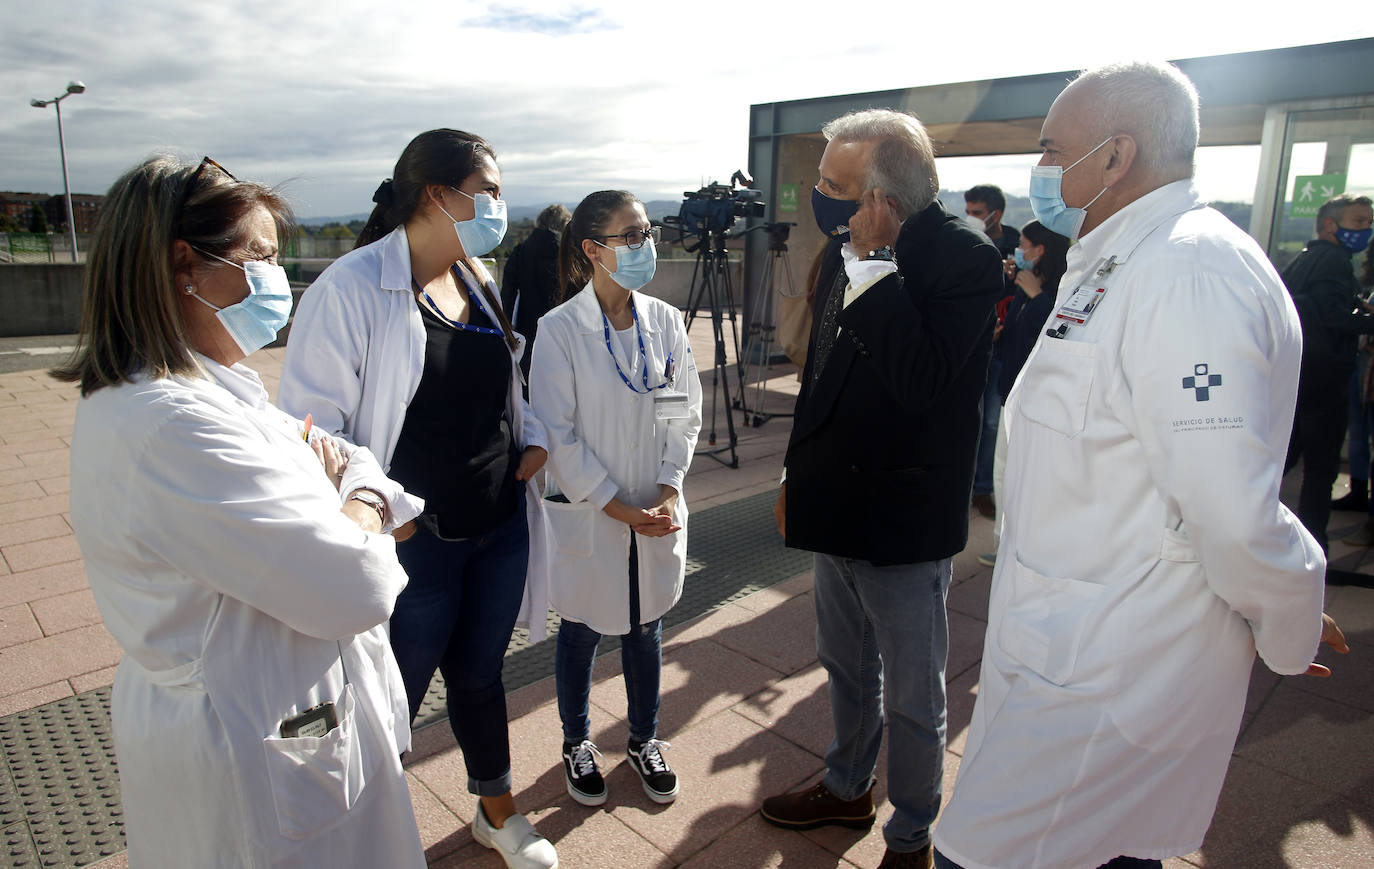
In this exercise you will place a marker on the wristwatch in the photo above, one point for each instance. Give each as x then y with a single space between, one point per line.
884 253
371 499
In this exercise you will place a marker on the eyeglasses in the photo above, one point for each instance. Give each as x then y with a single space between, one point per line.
635 238
190 186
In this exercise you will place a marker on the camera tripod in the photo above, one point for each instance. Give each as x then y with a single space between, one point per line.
711 282
758 346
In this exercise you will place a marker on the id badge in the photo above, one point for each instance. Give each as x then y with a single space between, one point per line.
1081 305
671 405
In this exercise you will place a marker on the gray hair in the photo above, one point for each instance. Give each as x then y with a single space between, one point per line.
1153 102
1334 208
553 218
903 160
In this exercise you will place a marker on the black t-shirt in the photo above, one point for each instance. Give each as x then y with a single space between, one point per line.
455 449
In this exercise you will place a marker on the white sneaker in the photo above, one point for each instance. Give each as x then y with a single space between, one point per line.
518 842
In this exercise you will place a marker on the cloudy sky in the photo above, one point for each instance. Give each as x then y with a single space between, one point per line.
574 96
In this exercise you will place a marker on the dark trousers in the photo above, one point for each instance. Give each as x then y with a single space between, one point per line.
457 614
1319 425
943 862
641 658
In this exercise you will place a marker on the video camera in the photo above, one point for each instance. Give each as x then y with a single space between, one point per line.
715 207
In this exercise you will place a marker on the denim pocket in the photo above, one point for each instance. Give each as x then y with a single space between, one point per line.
316 779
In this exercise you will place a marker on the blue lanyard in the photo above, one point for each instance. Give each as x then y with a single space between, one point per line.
643 356
474 298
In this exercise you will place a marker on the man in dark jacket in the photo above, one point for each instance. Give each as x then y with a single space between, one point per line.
880 465
1326 293
530 281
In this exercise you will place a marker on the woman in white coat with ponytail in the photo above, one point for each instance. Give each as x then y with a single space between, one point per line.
615 383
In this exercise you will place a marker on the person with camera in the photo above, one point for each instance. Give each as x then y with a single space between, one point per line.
615 382
880 466
402 344
234 554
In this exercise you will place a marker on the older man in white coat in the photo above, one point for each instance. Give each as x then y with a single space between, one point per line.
1145 556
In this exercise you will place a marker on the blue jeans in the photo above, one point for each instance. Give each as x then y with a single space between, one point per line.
882 635
987 439
641 659
457 614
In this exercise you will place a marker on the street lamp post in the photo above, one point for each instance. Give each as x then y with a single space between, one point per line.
74 87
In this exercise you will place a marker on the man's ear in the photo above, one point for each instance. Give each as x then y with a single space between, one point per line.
1122 156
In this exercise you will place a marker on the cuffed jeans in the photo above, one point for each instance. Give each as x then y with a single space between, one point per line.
457 614
882 635
641 659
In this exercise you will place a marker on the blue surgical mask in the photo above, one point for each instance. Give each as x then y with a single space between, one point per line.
1047 197
633 267
1022 262
1353 240
484 231
832 215
254 322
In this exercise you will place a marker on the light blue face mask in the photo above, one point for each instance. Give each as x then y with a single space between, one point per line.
254 322
1047 197
484 231
633 267
1022 261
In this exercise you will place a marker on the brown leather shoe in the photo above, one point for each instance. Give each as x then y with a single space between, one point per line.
818 807
922 859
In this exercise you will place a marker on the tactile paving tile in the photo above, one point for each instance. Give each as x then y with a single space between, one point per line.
16 847
733 550
60 767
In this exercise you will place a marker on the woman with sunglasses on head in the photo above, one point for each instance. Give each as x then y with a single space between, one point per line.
402 345
258 711
614 380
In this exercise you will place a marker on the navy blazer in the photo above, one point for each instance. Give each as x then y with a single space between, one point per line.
880 461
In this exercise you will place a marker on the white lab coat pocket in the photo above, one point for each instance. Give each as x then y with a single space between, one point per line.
316 779
1044 620
570 526
1053 389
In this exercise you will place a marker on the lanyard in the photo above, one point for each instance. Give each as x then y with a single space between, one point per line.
474 298
644 357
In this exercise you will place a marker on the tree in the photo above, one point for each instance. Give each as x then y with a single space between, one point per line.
336 230
38 221
9 224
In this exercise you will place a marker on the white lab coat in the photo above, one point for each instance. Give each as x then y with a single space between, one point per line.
239 592
354 360
1145 555
605 443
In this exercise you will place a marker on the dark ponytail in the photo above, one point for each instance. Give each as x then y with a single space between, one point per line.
444 157
1052 265
588 220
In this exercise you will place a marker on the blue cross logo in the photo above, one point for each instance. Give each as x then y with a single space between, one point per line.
1201 382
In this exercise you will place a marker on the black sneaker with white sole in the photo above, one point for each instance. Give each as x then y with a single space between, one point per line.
585 783
660 782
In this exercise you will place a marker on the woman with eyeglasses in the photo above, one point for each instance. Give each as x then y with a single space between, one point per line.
614 380
401 345
235 555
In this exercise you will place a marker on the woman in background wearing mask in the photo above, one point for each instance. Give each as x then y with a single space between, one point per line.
402 345
258 711
1039 261
614 380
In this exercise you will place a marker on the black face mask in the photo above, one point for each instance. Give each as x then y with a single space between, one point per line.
832 215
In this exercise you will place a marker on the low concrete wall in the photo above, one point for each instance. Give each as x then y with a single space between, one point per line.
40 299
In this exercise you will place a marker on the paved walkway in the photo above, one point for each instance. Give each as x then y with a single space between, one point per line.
744 700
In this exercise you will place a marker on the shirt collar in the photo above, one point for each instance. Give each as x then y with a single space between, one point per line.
396 260
1120 234
238 379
